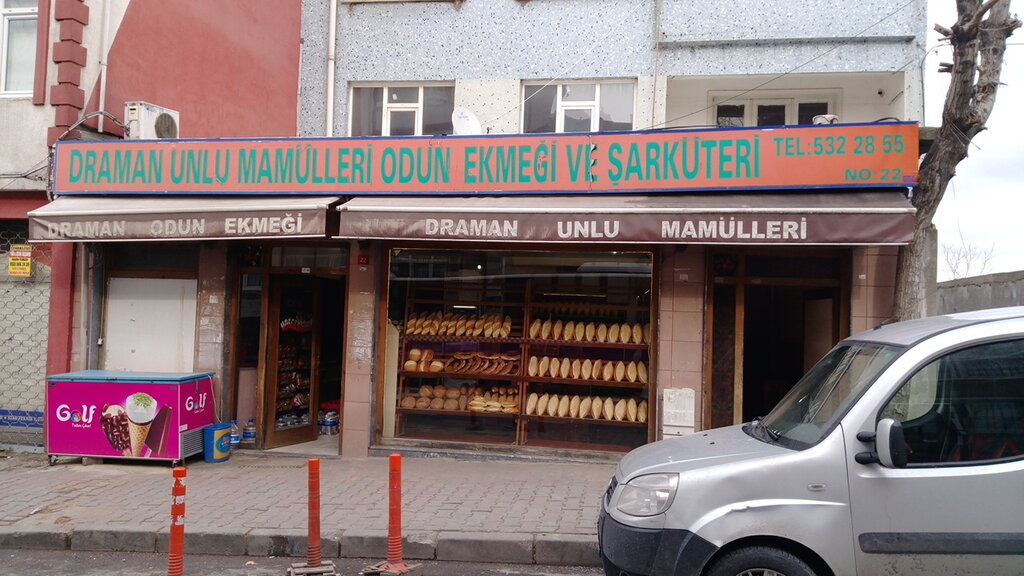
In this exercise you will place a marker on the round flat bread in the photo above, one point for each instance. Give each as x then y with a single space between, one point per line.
585 406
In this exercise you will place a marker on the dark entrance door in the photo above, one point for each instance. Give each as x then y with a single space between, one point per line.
772 315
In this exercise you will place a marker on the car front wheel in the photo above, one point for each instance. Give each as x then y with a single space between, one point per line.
760 561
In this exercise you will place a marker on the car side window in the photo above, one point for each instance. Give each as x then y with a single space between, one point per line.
966 406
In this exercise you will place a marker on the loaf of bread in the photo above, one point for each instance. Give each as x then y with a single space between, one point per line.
563 406
596 407
641 411
574 407
608 409
408 402
585 406
619 411
542 404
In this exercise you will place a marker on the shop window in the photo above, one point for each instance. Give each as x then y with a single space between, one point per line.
402 110
516 347
17 45
731 112
578 107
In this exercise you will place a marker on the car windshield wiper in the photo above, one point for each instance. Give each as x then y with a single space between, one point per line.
760 426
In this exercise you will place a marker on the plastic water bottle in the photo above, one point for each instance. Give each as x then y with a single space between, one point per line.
236 437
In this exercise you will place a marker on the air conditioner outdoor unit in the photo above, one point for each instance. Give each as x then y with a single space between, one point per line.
149 122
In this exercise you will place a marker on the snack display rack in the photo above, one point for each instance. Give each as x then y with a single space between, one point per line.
525 364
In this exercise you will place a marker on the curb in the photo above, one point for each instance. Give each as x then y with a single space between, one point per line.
510 548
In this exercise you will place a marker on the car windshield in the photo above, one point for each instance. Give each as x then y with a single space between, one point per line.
813 407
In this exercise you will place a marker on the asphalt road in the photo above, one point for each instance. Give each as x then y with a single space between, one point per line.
68 563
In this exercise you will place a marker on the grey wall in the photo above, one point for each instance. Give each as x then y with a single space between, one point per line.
980 292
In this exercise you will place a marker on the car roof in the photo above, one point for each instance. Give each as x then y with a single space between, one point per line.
913 331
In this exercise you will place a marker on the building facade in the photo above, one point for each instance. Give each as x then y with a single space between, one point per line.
68 70
527 227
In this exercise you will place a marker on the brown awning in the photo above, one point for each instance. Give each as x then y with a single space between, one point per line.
116 218
797 218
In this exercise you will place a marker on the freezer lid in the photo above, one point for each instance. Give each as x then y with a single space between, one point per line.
125 376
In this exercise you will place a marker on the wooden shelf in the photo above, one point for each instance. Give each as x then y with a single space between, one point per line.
568 420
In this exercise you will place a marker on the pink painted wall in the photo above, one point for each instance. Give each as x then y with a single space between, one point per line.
230 67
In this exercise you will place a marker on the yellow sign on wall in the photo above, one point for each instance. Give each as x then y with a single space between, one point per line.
19 262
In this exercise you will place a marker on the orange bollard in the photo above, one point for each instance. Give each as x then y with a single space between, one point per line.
394 561
315 565
313 557
394 565
175 559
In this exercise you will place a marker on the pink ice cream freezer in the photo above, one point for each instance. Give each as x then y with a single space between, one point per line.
111 414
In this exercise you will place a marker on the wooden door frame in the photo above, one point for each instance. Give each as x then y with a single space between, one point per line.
740 280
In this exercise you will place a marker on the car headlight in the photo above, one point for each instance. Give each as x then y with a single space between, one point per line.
648 495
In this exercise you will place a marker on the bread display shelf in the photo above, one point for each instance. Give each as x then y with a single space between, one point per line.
572 382
457 412
570 420
460 375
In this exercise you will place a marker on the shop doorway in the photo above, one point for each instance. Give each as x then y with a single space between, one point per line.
302 375
772 316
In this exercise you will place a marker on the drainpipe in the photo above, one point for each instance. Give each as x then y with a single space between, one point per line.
104 52
332 28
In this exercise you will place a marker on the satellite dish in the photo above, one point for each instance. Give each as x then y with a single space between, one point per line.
465 122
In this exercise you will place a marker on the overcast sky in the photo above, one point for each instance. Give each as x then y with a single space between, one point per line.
984 204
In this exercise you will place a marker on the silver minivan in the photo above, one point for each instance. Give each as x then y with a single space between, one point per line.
900 452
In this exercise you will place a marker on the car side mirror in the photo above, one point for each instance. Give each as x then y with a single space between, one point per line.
890 445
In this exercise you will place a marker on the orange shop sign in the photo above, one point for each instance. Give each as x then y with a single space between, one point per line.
829 156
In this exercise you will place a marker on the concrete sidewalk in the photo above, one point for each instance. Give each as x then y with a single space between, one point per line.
257 504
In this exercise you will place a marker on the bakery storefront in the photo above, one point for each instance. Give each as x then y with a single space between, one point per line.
550 294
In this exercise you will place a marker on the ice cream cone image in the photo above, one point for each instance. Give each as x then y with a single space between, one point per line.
141 409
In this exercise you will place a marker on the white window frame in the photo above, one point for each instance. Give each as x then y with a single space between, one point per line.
791 99
7 15
387 109
563 106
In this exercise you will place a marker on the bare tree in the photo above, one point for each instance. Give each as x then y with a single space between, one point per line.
979 41
966 259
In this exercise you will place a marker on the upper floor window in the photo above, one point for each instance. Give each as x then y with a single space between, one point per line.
578 107
402 110
17 45
736 112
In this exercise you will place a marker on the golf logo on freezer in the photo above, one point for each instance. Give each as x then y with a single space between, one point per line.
78 418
